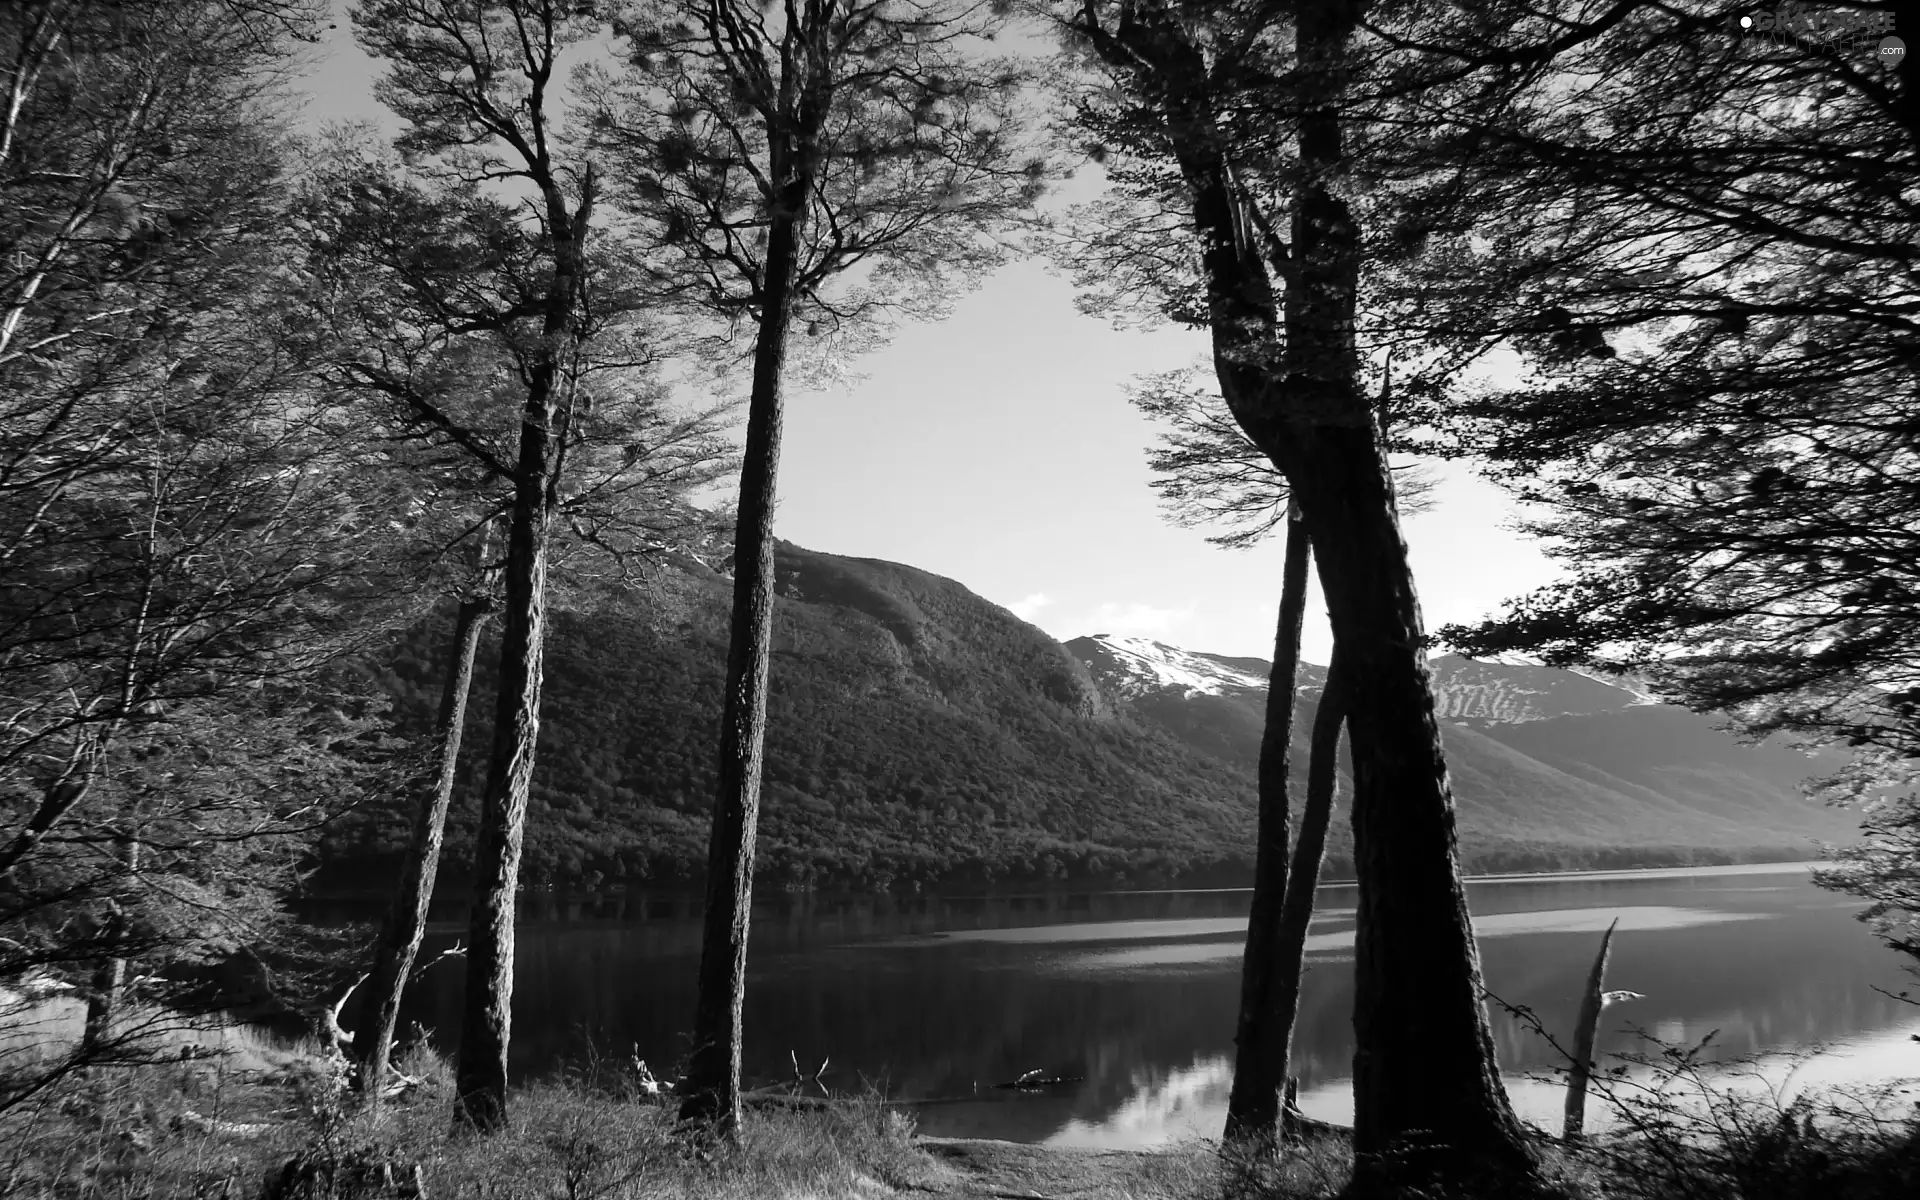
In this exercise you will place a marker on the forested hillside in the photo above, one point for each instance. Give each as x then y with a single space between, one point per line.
917 732
920 733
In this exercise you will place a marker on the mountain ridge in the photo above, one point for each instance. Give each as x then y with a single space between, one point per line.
919 734
1531 749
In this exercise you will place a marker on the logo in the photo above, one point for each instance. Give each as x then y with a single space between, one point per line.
1794 24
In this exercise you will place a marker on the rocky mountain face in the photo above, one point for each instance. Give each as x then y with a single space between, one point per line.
918 733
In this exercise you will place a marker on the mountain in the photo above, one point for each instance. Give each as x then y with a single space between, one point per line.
1592 765
918 733
1491 693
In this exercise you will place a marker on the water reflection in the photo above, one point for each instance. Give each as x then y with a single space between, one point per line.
938 998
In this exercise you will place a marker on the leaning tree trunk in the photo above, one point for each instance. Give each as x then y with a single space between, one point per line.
1586 1028
1260 1059
1303 879
712 1084
1428 1102
406 921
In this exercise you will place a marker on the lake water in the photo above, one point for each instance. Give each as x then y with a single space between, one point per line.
939 998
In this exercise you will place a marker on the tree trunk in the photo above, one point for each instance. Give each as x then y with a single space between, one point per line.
487 1011
1427 1093
406 921
1584 1031
104 987
480 1071
712 1084
110 973
1260 1060
1429 1107
1303 879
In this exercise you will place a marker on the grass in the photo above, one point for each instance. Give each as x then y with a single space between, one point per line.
205 1129
235 1126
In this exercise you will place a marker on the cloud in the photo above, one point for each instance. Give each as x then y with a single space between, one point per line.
1143 620
1026 608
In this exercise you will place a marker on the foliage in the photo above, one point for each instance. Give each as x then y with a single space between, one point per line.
163 483
1702 255
897 134
190 551
1207 471
1702 258
423 290
233 1122
1684 1136
1884 866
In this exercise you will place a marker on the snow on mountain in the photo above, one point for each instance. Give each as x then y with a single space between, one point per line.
1134 666
1505 693
1466 690
1637 688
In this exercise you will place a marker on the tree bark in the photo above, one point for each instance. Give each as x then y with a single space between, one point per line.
480 1071
1584 1030
712 1085
1309 851
406 922
1260 1059
487 1012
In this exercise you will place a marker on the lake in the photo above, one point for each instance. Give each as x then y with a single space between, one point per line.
937 998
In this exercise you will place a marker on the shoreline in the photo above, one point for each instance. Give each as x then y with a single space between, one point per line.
1026 891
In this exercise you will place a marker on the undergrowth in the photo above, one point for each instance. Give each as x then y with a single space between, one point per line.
207 1130
195 1131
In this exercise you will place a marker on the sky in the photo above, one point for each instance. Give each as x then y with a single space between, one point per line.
997 448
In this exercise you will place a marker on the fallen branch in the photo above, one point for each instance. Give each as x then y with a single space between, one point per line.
189 1119
454 951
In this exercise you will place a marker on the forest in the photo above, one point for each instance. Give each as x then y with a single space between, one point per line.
295 420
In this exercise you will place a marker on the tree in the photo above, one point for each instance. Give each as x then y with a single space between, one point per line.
1884 867
1260 1061
121 119
456 307
1428 1100
419 289
816 166
1709 274
406 922
185 545
1207 470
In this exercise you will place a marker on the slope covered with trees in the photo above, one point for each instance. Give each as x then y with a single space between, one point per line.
921 733
918 732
